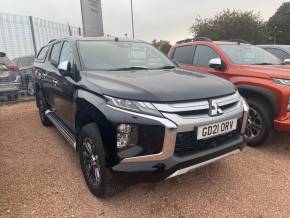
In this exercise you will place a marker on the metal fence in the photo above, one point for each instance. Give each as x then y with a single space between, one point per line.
24 35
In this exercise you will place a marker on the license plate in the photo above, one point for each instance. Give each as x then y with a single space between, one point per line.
211 130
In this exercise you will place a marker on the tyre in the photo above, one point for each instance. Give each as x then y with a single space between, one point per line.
260 122
92 160
15 97
42 107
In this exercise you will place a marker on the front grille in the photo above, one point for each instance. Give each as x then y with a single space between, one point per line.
187 141
200 107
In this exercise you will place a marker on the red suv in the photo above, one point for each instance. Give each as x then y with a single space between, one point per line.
259 76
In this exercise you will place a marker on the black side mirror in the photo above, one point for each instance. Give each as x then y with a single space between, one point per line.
217 64
65 68
2 54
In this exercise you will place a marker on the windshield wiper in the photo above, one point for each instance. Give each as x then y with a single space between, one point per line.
166 67
130 68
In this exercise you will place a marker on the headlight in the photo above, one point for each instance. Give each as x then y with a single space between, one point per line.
136 106
284 82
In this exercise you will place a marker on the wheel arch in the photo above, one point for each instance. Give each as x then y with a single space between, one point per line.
249 91
87 112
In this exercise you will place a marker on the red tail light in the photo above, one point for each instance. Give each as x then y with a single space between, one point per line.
13 67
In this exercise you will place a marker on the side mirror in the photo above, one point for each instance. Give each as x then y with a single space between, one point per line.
65 68
2 54
287 61
217 64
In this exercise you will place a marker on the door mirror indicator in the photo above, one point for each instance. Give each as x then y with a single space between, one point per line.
287 62
217 64
65 68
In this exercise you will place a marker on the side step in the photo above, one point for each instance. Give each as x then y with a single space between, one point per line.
61 127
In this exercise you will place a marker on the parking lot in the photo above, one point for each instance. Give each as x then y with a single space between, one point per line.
41 177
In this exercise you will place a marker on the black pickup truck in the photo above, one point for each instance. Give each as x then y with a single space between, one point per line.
133 115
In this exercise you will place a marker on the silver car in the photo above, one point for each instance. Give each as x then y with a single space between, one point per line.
10 80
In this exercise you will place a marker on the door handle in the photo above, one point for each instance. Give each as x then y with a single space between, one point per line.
55 82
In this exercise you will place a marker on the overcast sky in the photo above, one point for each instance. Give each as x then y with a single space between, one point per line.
160 19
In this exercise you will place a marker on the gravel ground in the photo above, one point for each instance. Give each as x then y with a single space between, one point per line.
40 176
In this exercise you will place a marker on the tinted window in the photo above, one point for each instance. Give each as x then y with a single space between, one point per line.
42 54
5 61
25 61
54 56
203 55
184 54
278 53
66 53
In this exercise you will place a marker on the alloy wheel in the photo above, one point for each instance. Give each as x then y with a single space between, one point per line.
255 124
91 161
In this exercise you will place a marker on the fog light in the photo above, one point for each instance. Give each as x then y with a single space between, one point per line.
126 135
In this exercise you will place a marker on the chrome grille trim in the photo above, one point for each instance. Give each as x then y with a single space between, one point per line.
197 105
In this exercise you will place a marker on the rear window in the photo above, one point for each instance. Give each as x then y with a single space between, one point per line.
42 54
5 60
184 54
25 61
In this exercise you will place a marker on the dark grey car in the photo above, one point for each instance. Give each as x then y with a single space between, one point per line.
280 51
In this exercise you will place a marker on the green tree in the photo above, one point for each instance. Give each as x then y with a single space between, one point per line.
231 24
279 25
162 45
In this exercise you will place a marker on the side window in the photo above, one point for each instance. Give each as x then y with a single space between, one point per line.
54 55
203 55
278 53
66 53
184 54
42 54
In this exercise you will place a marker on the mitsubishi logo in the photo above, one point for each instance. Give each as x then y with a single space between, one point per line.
214 109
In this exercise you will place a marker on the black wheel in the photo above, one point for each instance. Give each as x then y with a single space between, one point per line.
42 107
92 160
259 123
15 97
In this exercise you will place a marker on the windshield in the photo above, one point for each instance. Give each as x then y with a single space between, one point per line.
244 54
108 55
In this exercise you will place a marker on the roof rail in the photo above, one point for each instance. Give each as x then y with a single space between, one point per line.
238 41
206 39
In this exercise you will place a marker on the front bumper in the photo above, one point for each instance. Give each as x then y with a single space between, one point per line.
168 163
154 171
282 125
